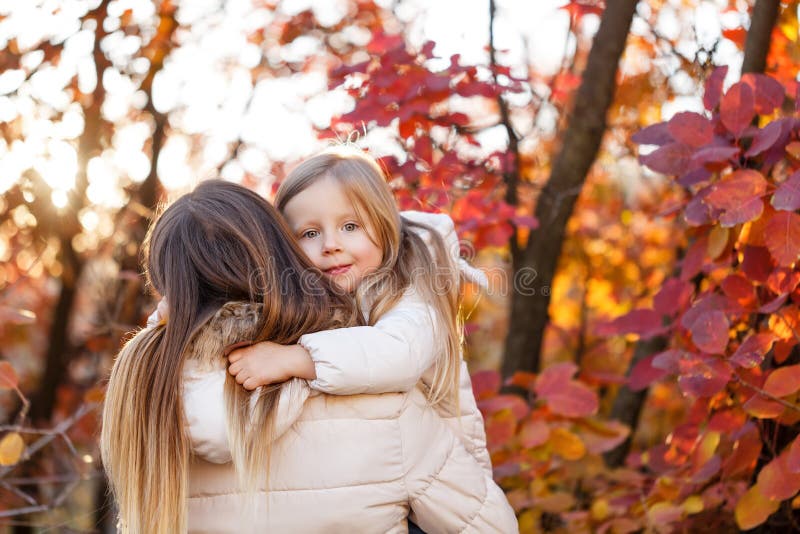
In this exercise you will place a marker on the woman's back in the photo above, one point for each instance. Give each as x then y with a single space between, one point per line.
358 463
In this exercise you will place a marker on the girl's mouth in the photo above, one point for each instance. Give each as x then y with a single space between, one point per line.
339 269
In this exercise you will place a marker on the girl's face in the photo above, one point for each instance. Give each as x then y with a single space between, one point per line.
330 233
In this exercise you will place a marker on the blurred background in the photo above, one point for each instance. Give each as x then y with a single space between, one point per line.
519 119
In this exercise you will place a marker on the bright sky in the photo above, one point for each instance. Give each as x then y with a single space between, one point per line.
206 85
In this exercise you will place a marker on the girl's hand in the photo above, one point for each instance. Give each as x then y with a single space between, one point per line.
268 363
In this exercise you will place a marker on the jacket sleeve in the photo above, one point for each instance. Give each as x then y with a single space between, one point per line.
204 411
449 491
390 356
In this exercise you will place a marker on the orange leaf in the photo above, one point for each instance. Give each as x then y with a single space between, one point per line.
567 444
11 448
783 381
783 237
753 509
775 481
8 376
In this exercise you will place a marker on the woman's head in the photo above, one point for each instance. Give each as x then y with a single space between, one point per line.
219 243
343 213
223 242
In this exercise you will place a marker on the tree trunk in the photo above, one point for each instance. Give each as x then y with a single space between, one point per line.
535 264
628 404
756 47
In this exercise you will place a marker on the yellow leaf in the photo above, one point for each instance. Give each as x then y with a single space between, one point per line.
693 504
528 522
11 448
717 241
753 509
707 447
567 444
599 509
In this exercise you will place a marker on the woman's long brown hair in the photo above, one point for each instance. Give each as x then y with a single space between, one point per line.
219 243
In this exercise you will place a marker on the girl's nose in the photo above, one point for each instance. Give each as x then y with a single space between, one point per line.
331 246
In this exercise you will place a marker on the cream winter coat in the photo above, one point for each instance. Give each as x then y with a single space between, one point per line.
399 351
357 463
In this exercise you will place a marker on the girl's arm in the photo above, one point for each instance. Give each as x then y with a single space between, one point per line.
390 356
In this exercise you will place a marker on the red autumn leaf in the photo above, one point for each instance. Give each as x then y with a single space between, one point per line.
765 139
703 377
668 360
783 381
739 289
603 436
643 374
673 158
499 403
500 429
575 400
485 384
8 376
578 9
737 108
736 35
534 432
748 211
752 350
716 157
565 396
773 305
697 212
644 322
793 456
787 196
713 88
423 149
745 452
710 331
694 177
552 379
704 303
655 134
757 263
691 128
673 296
763 408
525 221
740 187
783 280
727 421
776 481
783 237
768 92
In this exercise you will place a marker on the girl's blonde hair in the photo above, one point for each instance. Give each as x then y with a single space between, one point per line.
218 244
408 262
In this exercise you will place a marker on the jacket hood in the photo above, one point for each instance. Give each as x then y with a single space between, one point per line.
205 374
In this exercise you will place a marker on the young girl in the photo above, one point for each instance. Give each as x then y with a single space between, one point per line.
404 272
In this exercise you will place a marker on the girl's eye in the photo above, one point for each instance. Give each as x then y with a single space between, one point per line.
350 227
309 234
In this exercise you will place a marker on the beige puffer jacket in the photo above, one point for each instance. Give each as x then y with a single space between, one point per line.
399 351
358 463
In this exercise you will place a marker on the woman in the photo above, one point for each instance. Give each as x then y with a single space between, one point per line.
232 273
